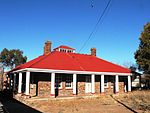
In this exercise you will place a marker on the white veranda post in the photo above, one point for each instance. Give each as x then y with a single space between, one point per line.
102 83
52 84
74 84
116 83
20 83
93 83
27 92
129 83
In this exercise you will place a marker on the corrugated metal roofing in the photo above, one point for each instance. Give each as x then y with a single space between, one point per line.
73 61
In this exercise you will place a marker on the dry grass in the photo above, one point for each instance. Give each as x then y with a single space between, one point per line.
137 100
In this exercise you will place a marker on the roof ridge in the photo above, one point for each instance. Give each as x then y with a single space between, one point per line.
82 54
64 46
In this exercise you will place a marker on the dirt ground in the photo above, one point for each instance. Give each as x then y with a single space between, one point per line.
100 104
138 101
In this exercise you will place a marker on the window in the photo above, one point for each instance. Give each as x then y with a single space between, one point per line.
112 84
60 50
68 81
106 82
112 80
88 79
69 51
58 83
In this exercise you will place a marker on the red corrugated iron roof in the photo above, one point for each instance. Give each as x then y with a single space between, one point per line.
65 47
28 64
73 61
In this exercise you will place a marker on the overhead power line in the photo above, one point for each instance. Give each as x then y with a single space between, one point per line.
96 25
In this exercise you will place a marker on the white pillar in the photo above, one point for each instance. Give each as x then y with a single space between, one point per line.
102 83
74 84
52 84
20 83
129 83
14 82
116 83
27 92
93 83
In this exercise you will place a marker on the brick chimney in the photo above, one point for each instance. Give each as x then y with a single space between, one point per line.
47 47
93 51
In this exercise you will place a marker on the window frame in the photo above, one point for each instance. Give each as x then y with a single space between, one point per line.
58 80
106 82
69 80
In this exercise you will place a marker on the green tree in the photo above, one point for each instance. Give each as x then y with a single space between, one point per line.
142 55
12 58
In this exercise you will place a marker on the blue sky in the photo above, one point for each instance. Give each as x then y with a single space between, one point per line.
27 24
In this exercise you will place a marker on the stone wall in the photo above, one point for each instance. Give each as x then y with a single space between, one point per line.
97 84
32 89
44 88
121 87
110 89
81 88
81 85
97 87
65 91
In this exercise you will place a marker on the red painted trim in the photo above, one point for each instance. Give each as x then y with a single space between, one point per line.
60 89
102 93
19 93
68 89
52 94
92 93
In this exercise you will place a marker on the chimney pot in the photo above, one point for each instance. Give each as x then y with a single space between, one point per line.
93 51
47 47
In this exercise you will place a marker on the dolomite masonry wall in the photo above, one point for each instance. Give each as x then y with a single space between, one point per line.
44 89
43 85
110 88
64 91
97 84
81 85
32 90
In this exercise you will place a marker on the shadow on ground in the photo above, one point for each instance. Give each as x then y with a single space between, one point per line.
11 105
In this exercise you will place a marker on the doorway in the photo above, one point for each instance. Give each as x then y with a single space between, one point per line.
88 84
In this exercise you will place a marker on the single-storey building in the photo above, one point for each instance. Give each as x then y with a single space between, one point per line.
63 72
136 80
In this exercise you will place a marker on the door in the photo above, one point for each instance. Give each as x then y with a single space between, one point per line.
88 84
